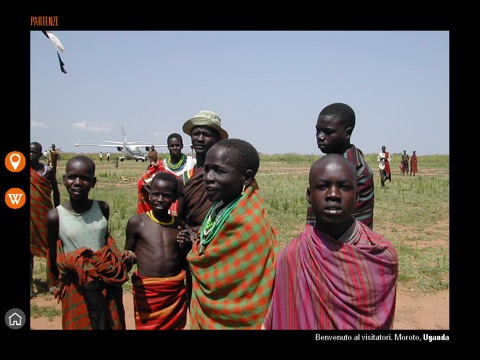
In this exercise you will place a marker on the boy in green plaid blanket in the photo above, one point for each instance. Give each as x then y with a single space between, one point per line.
233 255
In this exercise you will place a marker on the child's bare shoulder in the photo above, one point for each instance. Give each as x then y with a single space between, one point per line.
137 219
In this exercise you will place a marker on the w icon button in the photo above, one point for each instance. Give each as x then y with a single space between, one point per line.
15 198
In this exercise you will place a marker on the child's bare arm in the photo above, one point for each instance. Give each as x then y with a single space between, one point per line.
129 258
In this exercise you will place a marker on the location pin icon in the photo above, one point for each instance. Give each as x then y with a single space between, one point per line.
15 163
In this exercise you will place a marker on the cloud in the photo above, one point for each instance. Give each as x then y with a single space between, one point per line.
93 127
39 124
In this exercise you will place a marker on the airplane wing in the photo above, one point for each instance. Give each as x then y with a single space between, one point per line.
136 150
164 145
128 142
102 145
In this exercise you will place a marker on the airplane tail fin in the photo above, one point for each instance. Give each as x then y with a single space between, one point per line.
124 136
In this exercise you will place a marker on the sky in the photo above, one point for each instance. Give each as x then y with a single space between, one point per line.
268 87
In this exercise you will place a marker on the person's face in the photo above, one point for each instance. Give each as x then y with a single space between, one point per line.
222 178
203 138
331 134
35 153
162 195
175 146
332 194
79 179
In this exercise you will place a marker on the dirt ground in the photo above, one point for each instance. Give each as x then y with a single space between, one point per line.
414 311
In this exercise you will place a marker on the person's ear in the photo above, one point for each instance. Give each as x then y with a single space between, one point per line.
94 181
307 195
248 178
348 132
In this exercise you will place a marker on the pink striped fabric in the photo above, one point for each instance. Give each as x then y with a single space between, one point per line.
323 284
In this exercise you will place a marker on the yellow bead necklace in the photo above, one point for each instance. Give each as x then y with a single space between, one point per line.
154 219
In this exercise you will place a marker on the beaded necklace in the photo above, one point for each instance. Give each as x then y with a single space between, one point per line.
213 222
178 165
154 219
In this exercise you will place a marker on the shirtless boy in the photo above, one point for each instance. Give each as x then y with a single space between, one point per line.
159 291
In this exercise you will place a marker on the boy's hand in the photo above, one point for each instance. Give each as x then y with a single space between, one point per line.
186 237
129 258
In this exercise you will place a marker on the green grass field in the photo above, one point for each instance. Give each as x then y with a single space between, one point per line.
411 212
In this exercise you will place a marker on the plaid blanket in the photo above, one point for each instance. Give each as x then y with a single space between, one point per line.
160 303
40 203
90 287
142 202
322 284
233 279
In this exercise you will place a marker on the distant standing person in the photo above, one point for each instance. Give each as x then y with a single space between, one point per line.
152 155
101 156
108 156
43 184
233 263
333 132
384 159
177 162
338 274
53 157
413 163
84 269
405 162
159 291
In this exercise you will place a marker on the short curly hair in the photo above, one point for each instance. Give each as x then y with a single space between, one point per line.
341 111
248 158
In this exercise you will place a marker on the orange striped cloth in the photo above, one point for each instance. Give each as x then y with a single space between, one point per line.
160 303
83 269
233 279
40 203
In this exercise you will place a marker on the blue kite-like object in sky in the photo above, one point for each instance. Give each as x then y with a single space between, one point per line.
58 46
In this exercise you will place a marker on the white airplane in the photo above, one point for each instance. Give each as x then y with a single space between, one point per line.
132 150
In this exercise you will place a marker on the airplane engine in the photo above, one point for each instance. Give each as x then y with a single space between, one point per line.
119 148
